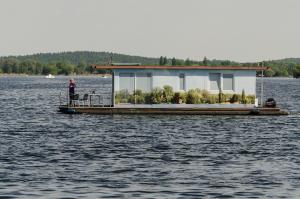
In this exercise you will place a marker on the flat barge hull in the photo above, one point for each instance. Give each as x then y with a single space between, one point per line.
172 111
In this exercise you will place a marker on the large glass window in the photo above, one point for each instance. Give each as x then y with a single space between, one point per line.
181 82
228 82
143 82
127 82
214 79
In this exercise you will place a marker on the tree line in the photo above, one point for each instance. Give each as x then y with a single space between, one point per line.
280 68
33 67
80 62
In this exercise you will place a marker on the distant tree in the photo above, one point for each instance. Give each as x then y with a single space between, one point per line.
225 63
50 69
205 61
296 72
39 68
173 61
161 61
65 68
269 73
179 62
243 97
187 62
165 61
80 69
9 64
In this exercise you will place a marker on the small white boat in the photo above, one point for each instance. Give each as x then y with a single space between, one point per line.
104 76
49 76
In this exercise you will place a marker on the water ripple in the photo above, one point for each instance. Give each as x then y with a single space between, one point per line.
45 154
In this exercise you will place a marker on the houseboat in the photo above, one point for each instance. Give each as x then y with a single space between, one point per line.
136 89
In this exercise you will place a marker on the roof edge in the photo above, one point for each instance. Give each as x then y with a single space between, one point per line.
256 68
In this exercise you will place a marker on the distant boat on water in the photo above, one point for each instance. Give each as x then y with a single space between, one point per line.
105 75
50 76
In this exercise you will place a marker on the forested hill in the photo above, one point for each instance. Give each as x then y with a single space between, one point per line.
87 57
79 62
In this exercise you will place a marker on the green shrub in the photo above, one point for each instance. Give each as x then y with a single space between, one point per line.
212 99
250 99
222 97
138 92
147 97
122 96
243 100
157 96
193 97
227 97
168 94
179 98
234 98
137 97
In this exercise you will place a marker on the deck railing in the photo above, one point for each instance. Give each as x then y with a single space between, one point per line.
93 99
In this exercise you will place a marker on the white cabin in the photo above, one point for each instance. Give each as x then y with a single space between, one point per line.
227 79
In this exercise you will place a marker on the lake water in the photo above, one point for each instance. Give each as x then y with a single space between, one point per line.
46 154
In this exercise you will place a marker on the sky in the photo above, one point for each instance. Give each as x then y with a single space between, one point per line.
239 30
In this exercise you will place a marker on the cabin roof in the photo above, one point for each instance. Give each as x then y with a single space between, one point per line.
256 68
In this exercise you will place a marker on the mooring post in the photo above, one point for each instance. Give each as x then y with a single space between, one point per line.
262 86
113 89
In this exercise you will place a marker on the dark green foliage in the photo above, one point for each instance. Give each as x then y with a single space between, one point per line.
80 62
269 73
205 61
157 96
138 97
161 60
193 97
243 97
165 61
296 72
212 99
67 62
234 98
122 96
179 98
168 94
222 97
187 62
173 62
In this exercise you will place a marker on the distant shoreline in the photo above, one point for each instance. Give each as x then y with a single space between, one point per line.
100 75
26 75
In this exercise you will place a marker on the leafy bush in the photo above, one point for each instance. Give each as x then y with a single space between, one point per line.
243 101
157 96
122 97
222 97
179 98
193 97
212 99
296 72
250 99
138 97
168 94
234 98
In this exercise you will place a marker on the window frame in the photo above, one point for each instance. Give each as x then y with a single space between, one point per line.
220 81
131 75
233 84
148 75
183 77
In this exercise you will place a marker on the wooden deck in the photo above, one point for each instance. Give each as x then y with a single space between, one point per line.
173 110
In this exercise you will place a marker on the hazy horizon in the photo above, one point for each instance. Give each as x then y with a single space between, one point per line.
242 31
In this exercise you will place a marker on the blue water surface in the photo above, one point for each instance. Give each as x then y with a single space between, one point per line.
46 154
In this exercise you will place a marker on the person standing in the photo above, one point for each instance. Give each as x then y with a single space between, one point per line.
72 86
